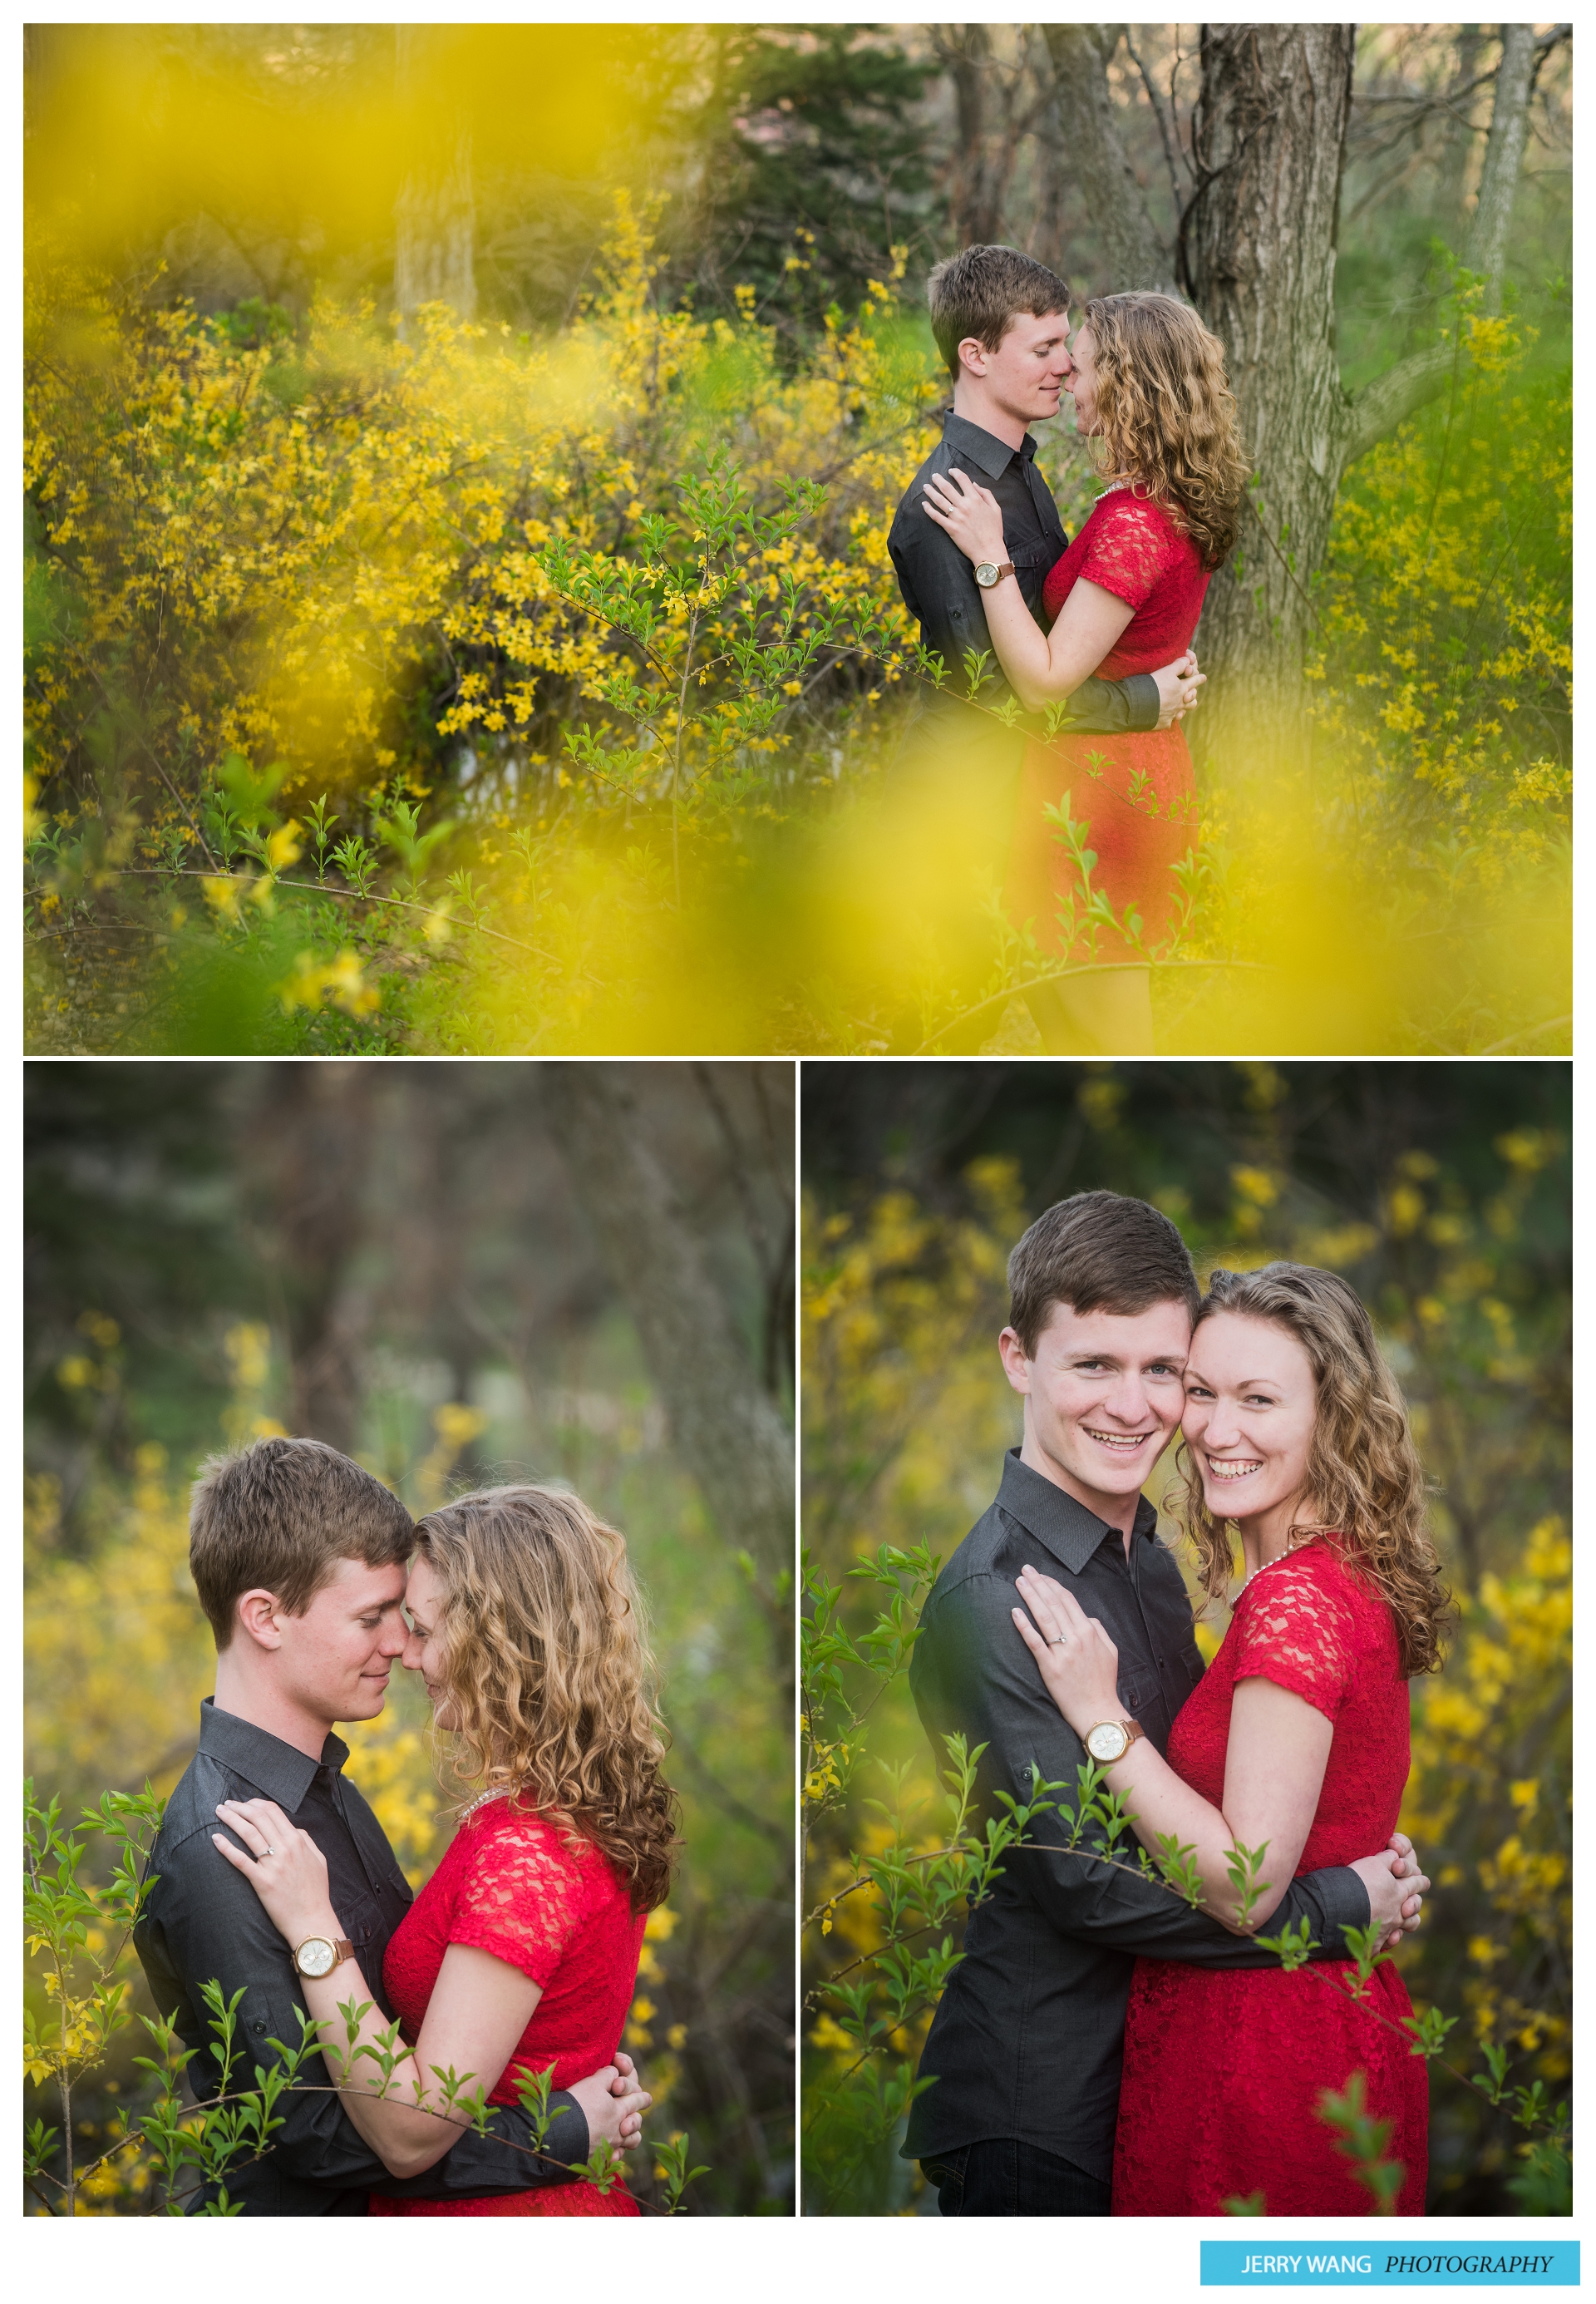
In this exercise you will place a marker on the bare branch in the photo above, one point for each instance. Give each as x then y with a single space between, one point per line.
1166 127
1395 396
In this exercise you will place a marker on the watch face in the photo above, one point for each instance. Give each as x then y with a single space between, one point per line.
987 573
316 1957
1107 1742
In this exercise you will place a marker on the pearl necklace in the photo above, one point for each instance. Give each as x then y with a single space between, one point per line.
1246 1580
498 1791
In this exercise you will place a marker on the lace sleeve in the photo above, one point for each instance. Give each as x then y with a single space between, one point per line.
521 1895
1297 1629
1128 547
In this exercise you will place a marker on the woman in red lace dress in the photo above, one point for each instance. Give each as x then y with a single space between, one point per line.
520 1955
1295 1739
1148 382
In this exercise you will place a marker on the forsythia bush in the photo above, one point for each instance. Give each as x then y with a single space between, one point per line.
1490 1805
265 538
1443 658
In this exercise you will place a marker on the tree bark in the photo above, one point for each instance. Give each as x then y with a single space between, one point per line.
1092 150
982 160
1258 250
435 216
1504 159
309 1148
1458 149
726 1429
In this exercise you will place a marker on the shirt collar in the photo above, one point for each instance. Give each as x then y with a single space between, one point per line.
984 448
1052 1516
280 1771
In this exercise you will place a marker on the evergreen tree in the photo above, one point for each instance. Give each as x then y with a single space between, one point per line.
811 168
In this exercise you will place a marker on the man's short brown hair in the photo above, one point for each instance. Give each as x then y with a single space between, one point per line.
1097 1252
982 290
281 1514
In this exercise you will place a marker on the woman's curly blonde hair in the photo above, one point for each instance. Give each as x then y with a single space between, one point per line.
1365 1481
546 1670
1166 415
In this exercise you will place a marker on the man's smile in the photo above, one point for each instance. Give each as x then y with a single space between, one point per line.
1126 1442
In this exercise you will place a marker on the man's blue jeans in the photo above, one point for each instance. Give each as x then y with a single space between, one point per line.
1002 2177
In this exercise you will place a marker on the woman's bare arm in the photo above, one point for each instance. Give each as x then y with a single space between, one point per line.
479 2008
1042 667
1274 1768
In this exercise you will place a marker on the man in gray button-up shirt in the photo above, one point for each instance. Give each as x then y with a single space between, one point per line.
1025 2048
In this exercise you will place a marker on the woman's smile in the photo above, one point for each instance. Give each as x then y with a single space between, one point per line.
1239 1468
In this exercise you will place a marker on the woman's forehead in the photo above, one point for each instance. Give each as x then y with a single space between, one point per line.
423 1585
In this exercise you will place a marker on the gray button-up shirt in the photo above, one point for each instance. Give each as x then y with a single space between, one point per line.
938 585
1027 2039
202 1919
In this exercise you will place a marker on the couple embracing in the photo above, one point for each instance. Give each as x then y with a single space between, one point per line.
271 1876
1102 2047
1101 628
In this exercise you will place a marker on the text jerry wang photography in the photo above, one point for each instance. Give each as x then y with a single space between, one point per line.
1187 1678
409 1640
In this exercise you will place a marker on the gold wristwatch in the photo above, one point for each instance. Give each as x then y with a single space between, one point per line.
320 1955
989 572
1111 1740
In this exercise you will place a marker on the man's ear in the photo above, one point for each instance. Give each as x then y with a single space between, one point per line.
1015 1360
257 1613
973 355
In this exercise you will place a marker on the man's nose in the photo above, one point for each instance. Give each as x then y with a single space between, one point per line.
396 1638
1127 1401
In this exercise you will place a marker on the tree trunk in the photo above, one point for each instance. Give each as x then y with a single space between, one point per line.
309 1148
435 218
1258 250
982 161
1504 159
1092 151
1459 147
727 1432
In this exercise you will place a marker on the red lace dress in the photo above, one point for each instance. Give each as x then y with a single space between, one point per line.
513 1883
1136 792
1223 2069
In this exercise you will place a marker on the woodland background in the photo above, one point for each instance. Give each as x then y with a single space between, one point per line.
459 1273
460 461
1441 1192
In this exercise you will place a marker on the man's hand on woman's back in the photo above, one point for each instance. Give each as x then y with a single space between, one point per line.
1395 1885
613 2101
1178 688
